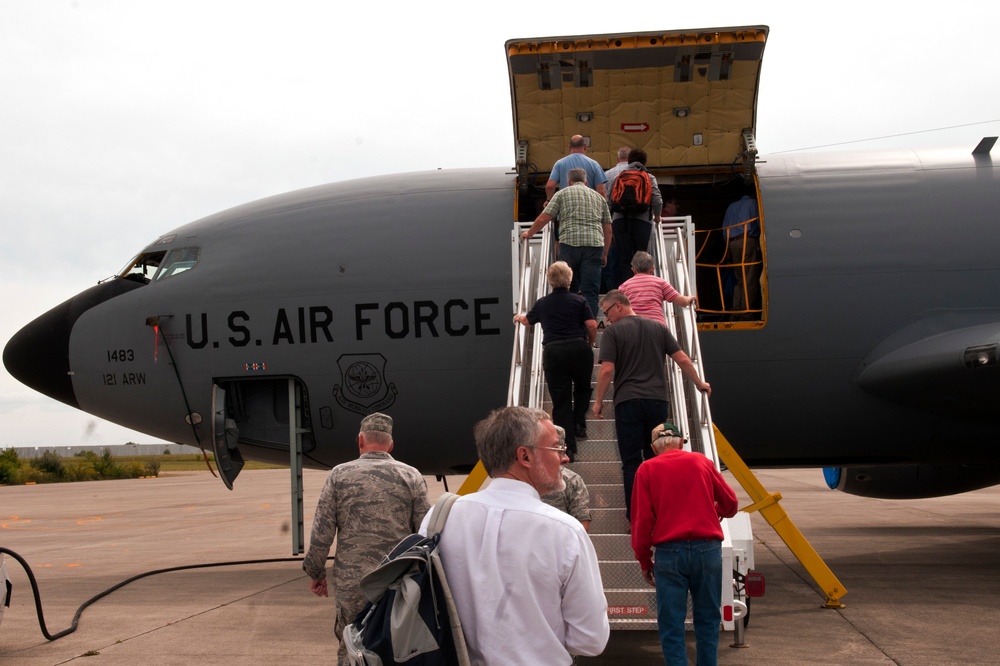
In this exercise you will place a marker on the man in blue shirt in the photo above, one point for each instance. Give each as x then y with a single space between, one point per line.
742 225
577 159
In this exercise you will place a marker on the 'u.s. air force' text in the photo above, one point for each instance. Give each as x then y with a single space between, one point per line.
310 324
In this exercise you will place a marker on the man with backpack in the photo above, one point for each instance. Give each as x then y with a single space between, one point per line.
635 200
368 505
524 575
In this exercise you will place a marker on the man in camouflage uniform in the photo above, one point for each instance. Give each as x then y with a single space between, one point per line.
368 505
575 498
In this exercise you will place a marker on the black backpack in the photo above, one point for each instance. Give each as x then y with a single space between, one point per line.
411 617
632 192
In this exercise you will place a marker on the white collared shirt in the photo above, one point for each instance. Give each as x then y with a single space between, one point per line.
525 578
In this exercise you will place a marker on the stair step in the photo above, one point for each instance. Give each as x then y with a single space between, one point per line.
631 604
609 521
606 496
623 624
623 574
606 472
608 409
594 449
613 547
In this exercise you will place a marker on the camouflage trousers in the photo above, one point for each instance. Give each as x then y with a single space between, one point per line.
349 604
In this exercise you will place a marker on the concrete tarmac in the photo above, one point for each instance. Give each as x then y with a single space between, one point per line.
919 576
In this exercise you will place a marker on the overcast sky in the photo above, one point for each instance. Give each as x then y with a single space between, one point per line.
123 119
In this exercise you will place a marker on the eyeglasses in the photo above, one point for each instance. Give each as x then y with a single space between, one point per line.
560 449
608 311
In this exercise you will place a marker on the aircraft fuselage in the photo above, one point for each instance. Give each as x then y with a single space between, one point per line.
395 294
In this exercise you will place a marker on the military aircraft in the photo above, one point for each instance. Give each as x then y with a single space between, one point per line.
873 348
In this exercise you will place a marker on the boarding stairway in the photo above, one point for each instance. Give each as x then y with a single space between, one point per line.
632 603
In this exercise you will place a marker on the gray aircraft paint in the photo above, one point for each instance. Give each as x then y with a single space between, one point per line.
879 241
394 293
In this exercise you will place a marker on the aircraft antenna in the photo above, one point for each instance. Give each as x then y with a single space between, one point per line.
887 136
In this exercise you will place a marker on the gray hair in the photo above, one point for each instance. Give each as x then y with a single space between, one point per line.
559 275
378 437
500 434
612 297
642 262
623 153
577 175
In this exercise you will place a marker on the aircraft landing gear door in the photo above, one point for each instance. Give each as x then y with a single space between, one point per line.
228 459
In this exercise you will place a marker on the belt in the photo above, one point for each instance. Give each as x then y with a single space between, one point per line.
665 544
564 341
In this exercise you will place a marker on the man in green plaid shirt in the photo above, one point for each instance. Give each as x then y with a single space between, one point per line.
584 233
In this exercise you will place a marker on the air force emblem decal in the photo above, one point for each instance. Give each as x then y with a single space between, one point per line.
363 388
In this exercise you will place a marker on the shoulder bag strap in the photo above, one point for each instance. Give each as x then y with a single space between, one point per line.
440 513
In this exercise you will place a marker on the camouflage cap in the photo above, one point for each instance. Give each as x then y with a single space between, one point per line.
562 434
377 421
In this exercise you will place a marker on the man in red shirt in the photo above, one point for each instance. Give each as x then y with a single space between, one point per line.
678 500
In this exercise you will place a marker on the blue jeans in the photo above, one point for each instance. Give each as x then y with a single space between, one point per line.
680 567
634 422
586 265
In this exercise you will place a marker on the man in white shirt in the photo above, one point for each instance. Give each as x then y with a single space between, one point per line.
524 575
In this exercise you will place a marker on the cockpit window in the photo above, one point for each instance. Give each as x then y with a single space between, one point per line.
142 268
153 266
177 261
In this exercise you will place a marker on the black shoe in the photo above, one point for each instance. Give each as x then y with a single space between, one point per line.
581 431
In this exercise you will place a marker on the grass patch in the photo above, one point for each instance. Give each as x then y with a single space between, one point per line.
194 462
89 466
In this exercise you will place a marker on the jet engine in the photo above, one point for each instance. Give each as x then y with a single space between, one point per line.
911 481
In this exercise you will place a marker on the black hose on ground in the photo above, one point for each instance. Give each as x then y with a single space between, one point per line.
88 602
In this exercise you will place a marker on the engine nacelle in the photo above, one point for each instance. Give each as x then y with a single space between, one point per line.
910 481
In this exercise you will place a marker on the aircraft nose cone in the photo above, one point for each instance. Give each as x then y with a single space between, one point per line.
38 354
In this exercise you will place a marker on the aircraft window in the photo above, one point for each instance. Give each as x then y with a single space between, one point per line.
142 267
177 261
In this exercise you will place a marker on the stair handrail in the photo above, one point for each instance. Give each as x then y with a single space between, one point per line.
528 284
690 405
526 386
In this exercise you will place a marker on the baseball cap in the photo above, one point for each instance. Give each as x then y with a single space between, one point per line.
377 421
669 428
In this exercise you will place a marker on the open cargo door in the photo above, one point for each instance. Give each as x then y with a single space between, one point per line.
688 98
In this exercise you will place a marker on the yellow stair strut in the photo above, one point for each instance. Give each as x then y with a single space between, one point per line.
475 480
767 504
